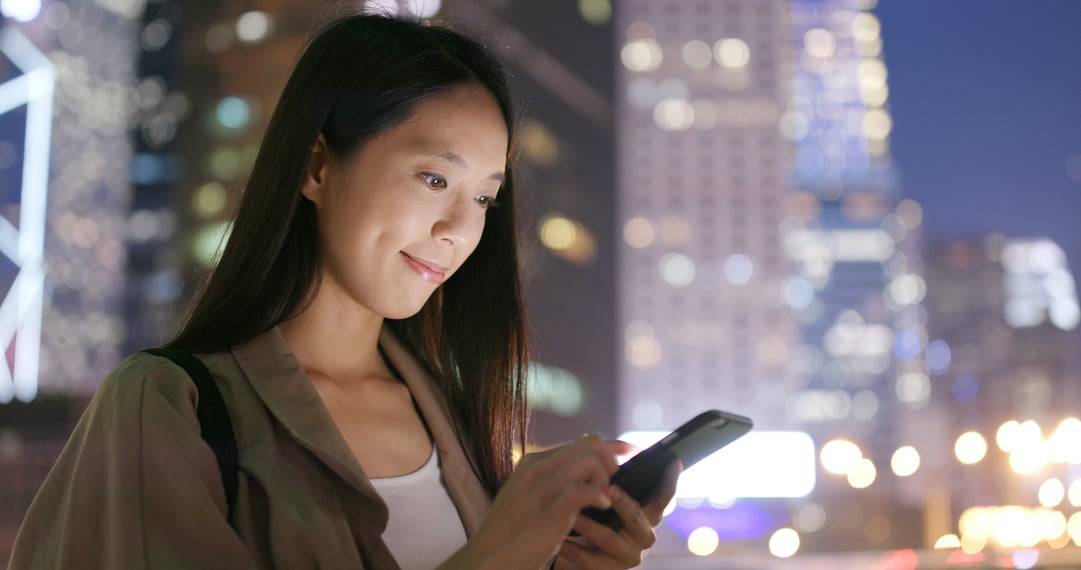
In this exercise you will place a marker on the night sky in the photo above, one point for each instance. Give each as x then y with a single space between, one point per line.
986 102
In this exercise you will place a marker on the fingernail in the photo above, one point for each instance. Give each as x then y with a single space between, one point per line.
614 493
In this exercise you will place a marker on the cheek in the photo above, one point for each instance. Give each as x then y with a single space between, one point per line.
476 234
478 229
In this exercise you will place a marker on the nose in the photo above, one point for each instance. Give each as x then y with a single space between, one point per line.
460 223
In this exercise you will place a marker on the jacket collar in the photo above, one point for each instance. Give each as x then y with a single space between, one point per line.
465 488
280 381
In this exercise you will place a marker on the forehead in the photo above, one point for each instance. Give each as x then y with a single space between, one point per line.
465 122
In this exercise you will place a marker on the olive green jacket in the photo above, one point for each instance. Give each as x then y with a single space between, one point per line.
137 486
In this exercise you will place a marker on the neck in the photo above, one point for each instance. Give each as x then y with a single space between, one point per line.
336 338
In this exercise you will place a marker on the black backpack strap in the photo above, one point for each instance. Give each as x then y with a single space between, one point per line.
214 422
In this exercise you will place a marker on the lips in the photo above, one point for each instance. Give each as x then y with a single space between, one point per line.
428 270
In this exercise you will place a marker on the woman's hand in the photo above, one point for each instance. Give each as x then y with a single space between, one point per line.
536 508
599 547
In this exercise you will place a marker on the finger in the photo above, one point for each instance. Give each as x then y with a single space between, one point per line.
635 523
580 541
622 448
580 464
602 450
615 546
576 497
582 557
574 463
665 491
565 564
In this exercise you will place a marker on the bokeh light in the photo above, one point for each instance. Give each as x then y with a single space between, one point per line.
738 269
784 543
677 269
905 461
1074 493
809 518
20 10
642 55
1051 493
965 388
1025 558
538 143
558 232
209 200
233 113
1007 434
1073 528
819 43
840 456
253 26
732 53
970 448
863 475
947 541
596 12
643 352
673 114
697 54
638 233
703 541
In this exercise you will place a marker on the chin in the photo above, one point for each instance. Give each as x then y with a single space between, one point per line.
400 315
403 309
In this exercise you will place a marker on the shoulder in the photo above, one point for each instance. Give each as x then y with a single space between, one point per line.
143 378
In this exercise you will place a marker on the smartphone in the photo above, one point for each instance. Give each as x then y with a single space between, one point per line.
691 442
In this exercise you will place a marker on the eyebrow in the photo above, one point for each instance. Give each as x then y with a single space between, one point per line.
456 159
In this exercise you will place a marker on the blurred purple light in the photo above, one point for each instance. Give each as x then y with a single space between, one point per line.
965 388
744 520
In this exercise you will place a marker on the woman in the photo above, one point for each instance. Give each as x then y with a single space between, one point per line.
366 330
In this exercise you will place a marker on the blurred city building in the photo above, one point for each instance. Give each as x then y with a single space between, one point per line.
67 72
162 109
703 176
770 266
1004 317
857 288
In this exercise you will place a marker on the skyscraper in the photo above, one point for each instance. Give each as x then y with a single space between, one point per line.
770 264
702 184
857 286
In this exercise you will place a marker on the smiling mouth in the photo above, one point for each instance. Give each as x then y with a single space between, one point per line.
427 272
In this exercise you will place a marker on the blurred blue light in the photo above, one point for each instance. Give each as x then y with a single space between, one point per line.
23 11
798 293
233 113
163 286
153 168
938 356
907 345
965 388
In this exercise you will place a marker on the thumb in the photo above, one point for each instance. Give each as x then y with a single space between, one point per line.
620 447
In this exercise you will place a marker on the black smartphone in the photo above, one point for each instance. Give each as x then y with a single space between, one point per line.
691 442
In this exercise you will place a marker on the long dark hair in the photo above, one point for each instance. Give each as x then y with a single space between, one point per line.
358 77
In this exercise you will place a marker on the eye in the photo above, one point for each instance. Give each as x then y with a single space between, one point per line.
487 201
434 181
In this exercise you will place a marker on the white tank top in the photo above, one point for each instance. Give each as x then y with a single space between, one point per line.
424 528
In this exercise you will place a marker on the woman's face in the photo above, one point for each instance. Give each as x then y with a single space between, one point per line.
404 214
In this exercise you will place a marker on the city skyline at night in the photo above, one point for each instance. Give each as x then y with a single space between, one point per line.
852 218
